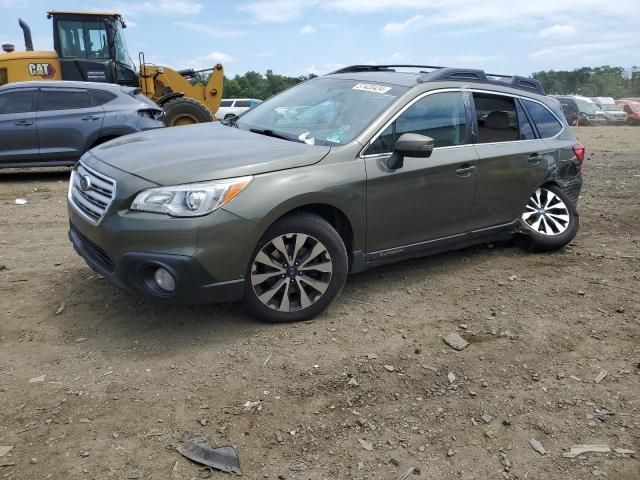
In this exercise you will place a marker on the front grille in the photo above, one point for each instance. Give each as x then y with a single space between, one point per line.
91 193
98 254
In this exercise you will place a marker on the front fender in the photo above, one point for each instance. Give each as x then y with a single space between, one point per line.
271 196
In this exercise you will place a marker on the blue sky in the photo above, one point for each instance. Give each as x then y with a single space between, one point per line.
312 36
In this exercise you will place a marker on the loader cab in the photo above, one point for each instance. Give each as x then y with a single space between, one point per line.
91 47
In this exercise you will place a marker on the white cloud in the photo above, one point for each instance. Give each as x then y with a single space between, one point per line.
209 30
400 27
157 7
322 69
621 43
209 60
558 31
518 12
307 29
276 11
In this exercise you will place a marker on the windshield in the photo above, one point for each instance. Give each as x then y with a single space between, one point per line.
324 111
586 106
121 51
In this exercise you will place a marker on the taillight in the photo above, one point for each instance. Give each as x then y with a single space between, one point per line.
579 151
151 113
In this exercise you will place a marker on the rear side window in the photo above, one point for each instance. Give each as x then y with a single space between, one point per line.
20 101
100 97
440 116
226 103
546 123
243 103
51 99
498 119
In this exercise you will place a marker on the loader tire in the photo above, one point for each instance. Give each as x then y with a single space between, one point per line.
186 111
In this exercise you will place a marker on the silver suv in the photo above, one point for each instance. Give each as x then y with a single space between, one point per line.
53 123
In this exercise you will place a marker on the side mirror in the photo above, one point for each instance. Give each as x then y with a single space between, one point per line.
410 145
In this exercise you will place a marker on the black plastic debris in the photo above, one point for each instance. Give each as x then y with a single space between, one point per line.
224 459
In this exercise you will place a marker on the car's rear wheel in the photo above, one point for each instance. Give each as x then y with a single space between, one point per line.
299 266
550 220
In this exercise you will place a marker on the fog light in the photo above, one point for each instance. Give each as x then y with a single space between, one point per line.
164 280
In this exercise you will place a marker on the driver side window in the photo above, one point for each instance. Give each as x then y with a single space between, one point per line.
440 116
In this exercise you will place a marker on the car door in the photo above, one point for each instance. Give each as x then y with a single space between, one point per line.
68 123
427 198
512 160
18 135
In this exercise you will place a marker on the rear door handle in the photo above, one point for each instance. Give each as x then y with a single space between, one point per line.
90 118
465 170
23 123
535 159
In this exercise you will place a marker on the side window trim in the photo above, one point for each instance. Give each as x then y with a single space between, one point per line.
395 117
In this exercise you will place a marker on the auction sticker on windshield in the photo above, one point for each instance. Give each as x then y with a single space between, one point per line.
370 87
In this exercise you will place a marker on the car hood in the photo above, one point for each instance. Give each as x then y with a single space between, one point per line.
170 156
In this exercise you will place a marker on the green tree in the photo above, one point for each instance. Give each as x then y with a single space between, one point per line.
604 81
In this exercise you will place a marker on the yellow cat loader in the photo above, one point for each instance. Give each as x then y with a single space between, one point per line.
91 47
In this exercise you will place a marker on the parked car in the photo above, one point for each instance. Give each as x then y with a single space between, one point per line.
632 109
387 165
570 109
612 112
588 111
231 107
53 123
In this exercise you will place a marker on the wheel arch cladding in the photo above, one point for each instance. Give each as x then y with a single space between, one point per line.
333 215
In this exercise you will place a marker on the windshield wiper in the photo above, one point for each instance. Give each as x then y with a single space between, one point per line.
270 133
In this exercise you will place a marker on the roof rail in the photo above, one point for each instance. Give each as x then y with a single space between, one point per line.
439 74
479 76
380 68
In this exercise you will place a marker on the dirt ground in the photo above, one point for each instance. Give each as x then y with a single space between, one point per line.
126 379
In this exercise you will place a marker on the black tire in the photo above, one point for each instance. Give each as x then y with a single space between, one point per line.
535 241
186 111
316 229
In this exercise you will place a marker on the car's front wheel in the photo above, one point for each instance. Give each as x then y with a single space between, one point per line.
550 220
299 266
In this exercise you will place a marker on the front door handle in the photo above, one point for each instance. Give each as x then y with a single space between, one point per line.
23 123
90 118
535 159
465 170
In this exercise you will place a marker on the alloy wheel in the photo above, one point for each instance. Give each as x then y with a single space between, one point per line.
546 213
291 272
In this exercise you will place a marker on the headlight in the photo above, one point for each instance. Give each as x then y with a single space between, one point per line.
190 200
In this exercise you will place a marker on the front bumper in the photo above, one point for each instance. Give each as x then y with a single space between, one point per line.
134 271
207 256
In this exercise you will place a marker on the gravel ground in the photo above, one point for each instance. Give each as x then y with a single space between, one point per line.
96 384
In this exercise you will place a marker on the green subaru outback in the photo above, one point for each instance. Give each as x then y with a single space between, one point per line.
365 166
